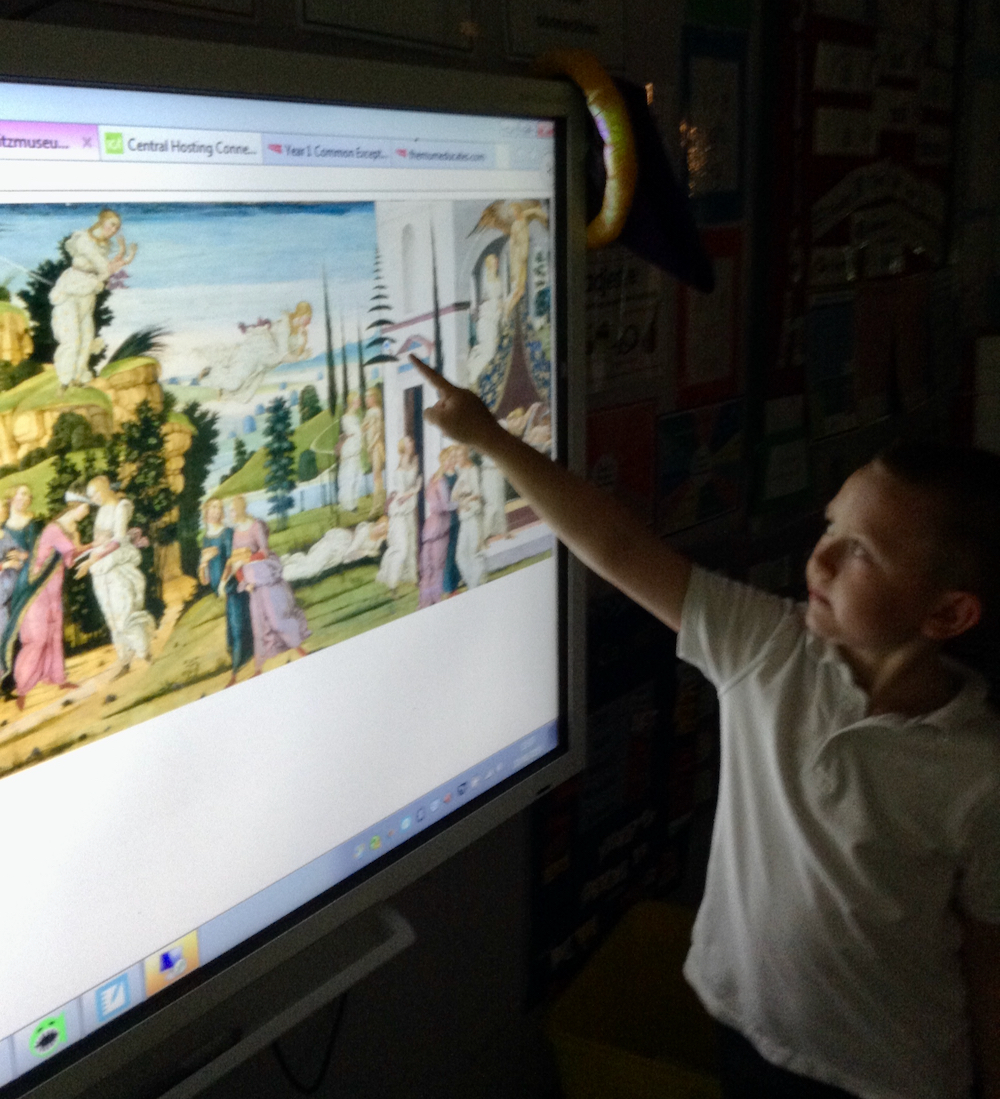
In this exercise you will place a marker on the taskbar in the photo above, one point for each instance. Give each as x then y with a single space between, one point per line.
42 1039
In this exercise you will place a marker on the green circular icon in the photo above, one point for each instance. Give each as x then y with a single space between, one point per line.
48 1035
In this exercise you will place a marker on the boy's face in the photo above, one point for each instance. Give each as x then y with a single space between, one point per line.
870 577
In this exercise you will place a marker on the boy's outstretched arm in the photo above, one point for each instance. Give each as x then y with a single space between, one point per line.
605 536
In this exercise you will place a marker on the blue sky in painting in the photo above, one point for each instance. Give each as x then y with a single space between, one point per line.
205 244
203 269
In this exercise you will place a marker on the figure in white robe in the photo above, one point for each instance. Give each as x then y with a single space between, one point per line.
119 584
488 319
399 562
74 295
367 540
494 500
349 477
339 546
467 497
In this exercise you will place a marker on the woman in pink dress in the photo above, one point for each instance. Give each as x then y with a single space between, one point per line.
276 620
41 656
436 533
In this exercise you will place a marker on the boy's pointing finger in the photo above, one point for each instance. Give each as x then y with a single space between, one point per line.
458 412
442 385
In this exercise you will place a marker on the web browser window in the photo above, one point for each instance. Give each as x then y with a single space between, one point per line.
260 623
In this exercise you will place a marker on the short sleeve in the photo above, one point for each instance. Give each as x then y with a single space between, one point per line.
979 886
726 626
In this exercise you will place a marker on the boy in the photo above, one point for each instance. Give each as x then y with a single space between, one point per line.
855 862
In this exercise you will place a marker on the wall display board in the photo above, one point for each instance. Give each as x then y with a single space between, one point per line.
783 468
699 465
863 118
627 323
620 453
709 345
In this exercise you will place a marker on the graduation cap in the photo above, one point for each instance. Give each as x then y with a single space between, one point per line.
659 226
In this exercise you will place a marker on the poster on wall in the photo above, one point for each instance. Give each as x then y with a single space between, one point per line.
620 453
534 26
783 471
830 365
699 465
713 94
864 119
874 309
708 325
627 321
835 459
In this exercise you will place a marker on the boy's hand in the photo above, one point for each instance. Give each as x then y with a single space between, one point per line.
603 534
459 413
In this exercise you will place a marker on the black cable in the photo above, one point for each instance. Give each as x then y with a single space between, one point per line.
313 1088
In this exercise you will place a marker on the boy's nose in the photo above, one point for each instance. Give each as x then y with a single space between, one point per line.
825 556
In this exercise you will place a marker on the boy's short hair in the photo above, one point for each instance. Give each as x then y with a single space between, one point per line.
964 485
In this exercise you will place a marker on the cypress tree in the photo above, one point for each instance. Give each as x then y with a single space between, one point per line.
279 478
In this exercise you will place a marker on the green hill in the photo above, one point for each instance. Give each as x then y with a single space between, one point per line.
133 362
44 391
37 477
320 429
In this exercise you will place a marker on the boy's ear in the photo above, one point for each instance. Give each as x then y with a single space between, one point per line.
955 613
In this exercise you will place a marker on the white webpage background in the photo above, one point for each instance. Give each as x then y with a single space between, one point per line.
118 848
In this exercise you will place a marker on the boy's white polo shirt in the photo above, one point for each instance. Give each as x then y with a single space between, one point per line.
827 934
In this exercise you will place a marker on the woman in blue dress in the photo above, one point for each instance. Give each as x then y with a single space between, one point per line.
216 549
12 560
17 542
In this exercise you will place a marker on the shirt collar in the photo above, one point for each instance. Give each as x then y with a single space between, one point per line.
967 705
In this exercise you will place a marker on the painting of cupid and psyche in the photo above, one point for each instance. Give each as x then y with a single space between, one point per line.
213 456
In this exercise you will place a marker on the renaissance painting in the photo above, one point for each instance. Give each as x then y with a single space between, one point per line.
213 457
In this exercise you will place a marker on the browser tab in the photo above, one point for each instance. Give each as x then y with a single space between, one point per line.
178 146
327 152
442 154
48 141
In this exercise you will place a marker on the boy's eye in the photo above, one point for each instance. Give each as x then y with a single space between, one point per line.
859 551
